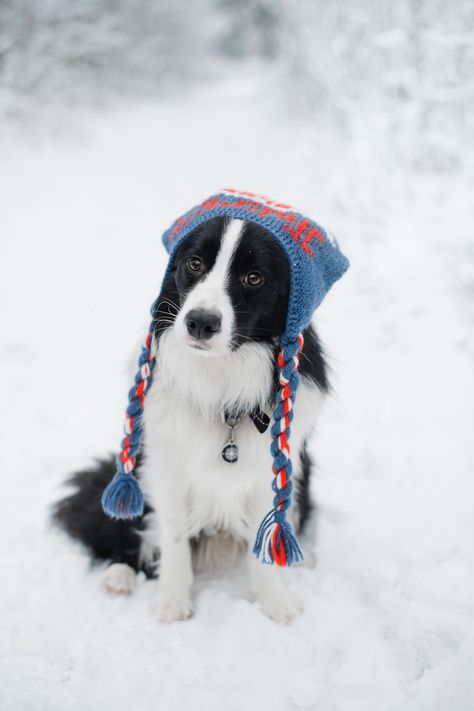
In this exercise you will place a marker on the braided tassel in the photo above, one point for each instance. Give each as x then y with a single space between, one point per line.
123 497
276 542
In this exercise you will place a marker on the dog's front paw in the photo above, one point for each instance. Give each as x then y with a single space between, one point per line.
119 578
282 608
169 607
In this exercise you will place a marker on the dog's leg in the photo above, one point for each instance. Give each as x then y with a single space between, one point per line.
173 589
172 595
119 578
266 581
275 600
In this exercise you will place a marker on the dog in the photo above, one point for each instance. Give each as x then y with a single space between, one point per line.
217 322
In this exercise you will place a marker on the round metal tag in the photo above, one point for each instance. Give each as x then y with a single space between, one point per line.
230 453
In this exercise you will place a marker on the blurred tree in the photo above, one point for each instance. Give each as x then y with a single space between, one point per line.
251 28
88 49
404 69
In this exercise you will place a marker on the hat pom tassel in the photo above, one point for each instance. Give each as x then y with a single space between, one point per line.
123 497
276 542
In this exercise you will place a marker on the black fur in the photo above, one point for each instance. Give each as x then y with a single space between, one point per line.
312 361
260 312
302 498
81 515
260 316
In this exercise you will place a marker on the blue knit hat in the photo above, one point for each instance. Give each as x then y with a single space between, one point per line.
315 262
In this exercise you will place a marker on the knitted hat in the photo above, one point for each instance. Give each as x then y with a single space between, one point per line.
315 263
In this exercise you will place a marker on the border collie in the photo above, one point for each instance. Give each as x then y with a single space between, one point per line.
217 322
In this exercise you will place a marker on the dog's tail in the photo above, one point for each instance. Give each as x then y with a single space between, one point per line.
80 515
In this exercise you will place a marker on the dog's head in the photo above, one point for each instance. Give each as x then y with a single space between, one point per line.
228 285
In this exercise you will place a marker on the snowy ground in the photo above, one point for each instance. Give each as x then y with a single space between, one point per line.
389 619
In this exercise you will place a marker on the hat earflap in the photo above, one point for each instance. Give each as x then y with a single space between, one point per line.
123 497
276 542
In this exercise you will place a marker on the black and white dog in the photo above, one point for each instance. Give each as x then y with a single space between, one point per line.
218 319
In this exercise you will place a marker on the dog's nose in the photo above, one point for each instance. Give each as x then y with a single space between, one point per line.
202 324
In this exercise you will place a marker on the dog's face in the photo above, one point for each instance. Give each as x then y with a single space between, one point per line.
229 285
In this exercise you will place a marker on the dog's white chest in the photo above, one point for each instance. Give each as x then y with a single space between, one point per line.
219 495
185 435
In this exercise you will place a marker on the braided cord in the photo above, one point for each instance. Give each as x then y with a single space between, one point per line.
123 498
133 427
275 542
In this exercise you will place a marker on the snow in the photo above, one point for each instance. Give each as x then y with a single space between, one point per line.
389 606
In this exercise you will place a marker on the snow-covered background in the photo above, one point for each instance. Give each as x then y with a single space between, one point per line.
113 121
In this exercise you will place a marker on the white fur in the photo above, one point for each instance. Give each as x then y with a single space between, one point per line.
119 578
189 486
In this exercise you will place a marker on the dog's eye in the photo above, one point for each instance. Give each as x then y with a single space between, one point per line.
195 265
254 279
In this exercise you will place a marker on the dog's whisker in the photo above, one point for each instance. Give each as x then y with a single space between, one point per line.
164 315
168 307
167 302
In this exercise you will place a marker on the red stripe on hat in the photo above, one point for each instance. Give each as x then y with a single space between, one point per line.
313 232
298 230
278 551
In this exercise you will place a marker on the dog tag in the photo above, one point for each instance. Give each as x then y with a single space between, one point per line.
230 451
